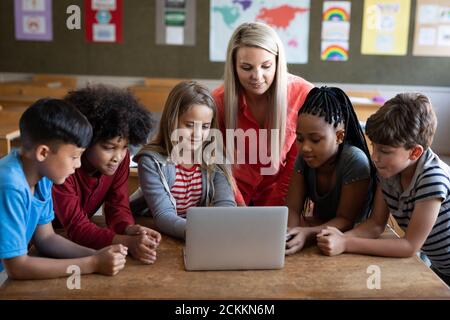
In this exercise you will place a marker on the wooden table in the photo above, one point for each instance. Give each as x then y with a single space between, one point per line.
306 275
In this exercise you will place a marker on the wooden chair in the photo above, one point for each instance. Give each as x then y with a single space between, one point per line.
9 130
153 99
153 94
362 93
167 83
55 81
10 102
363 103
24 93
10 88
394 225
44 91
13 117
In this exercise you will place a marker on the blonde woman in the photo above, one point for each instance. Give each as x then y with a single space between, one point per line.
259 96
172 184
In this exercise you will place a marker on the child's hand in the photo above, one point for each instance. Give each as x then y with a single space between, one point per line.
298 240
154 235
142 247
134 229
110 260
331 241
137 229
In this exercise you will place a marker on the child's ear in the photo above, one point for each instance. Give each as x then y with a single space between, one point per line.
42 152
340 135
416 152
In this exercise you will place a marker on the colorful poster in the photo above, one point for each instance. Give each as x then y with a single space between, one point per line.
289 18
103 20
432 28
335 30
33 20
175 22
385 27
104 5
175 19
334 50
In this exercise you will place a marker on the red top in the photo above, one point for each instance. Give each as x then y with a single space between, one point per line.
266 190
187 189
81 195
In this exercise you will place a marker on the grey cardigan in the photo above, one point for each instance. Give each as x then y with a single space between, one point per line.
156 178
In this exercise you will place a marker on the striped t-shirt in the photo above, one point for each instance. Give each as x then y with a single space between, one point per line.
187 189
431 180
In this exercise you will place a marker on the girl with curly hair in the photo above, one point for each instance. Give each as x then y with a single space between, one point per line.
118 120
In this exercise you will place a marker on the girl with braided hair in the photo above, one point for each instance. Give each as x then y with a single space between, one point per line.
333 170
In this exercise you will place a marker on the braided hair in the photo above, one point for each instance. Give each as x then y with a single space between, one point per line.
335 107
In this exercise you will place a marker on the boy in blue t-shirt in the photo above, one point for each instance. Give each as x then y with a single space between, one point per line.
54 135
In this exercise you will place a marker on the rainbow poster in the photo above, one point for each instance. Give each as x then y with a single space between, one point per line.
334 51
335 30
336 13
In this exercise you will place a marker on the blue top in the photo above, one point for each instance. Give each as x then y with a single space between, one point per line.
352 165
20 211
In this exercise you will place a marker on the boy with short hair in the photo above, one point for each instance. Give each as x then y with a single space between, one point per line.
414 186
54 135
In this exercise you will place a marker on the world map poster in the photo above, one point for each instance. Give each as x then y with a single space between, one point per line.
289 18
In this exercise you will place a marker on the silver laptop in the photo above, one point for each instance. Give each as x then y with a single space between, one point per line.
235 238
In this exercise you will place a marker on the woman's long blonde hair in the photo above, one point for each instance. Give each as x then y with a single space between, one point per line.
180 99
260 35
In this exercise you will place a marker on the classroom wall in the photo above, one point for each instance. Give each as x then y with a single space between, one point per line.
440 97
139 56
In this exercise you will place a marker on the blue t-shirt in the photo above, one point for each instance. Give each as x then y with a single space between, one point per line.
20 211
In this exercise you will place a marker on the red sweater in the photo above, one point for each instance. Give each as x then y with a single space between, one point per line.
81 195
266 190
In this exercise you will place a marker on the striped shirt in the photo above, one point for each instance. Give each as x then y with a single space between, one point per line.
187 189
431 180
